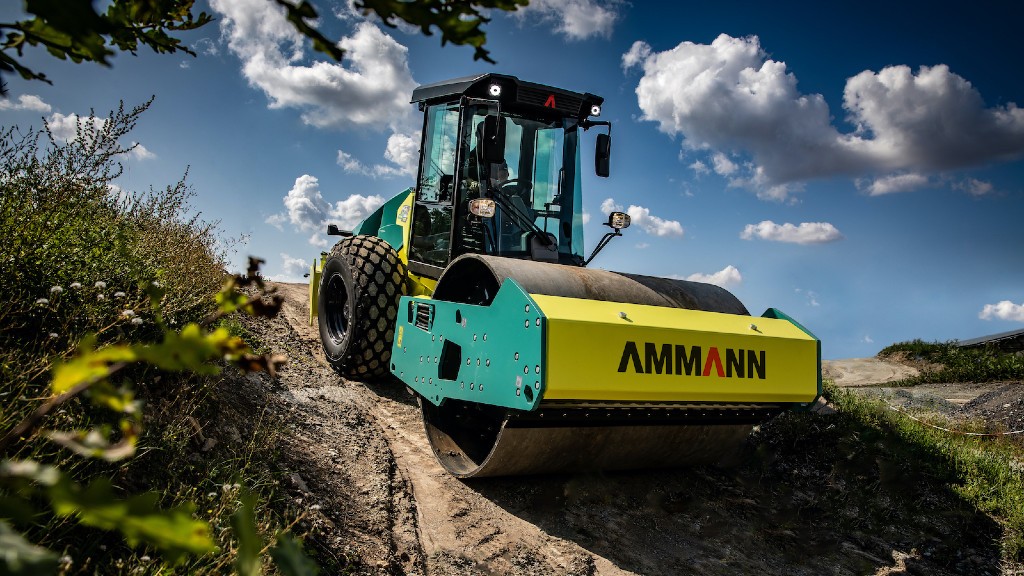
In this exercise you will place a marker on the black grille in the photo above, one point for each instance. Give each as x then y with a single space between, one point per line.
563 102
424 315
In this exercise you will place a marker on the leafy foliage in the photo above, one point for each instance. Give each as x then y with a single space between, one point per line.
109 294
458 20
73 29
956 364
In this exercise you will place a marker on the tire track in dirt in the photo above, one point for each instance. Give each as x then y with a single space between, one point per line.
458 530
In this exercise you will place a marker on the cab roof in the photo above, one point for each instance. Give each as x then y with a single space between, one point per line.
514 92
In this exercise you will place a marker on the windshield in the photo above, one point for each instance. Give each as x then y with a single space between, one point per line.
536 187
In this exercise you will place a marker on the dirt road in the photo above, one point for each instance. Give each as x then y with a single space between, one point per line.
379 503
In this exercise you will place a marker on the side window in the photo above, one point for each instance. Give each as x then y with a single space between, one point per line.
432 215
438 170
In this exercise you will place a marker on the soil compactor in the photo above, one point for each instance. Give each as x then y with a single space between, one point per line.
471 288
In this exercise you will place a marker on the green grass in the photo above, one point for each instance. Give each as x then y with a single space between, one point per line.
986 472
955 364
76 258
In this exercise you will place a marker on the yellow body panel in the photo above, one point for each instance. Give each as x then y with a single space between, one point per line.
404 219
608 351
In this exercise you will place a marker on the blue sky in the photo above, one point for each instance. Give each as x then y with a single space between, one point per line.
857 165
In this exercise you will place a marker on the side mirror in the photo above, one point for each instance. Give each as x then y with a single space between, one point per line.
492 141
603 154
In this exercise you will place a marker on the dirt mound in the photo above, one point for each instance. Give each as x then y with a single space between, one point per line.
1003 405
357 457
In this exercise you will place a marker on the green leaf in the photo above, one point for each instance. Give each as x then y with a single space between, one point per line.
20 557
173 531
90 365
243 520
290 558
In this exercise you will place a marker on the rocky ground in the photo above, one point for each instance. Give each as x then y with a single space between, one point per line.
357 460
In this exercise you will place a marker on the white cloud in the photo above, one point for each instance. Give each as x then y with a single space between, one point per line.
1004 310
805 233
723 165
575 19
140 152
29 102
586 217
308 212
277 221
369 89
974 187
867 340
726 277
636 55
896 183
642 217
700 168
729 96
811 296
64 127
403 151
352 210
292 269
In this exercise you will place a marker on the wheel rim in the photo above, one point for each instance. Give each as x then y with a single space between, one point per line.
337 312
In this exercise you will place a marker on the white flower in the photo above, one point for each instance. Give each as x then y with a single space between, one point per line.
145 558
157 284
137 321
101 297
56 290
118 294
76 285
128 313
43 302
54 335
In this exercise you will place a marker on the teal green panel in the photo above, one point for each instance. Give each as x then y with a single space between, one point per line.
383 217
780 315
486 354
393 234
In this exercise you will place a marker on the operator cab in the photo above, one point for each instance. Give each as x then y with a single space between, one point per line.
500 172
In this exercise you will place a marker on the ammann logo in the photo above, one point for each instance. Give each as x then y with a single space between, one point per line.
682 360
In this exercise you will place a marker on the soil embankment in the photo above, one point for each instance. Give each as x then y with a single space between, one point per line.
357 456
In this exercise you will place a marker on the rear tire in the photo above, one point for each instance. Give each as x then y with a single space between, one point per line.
363 279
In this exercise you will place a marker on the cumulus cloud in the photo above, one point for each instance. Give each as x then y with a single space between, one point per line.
894 183
805 233
642 217
29 102
65 126
140 152
1004 310
370 89
974 187
403 151
575 19
730 96
292 269
726 277
308 212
